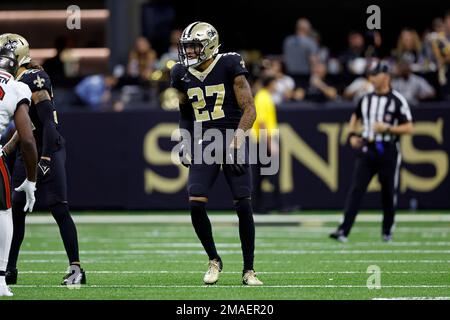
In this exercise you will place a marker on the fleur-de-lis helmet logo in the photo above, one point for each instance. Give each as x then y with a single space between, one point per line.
211 33
11 45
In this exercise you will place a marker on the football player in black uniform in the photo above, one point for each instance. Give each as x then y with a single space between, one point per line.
51 181
214 91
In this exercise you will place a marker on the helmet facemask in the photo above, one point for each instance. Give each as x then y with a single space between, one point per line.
199 50
8 62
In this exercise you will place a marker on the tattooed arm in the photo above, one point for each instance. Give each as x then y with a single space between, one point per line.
244 98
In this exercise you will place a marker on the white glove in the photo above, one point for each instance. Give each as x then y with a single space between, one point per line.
29 188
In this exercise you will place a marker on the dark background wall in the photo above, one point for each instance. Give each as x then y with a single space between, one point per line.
251 24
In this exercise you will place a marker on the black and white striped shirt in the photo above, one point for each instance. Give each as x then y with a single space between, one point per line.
391 108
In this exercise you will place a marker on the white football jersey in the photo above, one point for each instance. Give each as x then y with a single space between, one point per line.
12 93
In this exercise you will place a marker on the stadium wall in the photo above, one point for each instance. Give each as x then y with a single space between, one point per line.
122 160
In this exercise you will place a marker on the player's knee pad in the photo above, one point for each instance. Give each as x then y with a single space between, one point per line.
197 190
241 192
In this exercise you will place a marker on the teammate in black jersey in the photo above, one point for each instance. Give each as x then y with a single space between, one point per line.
214 92
51 182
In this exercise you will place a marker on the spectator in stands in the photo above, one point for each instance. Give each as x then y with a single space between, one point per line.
358 88
95 91
444 57
300 51
353 58
284 85
409 48
413 87
429 37
142 59
55 66
323 53
172 52
319 90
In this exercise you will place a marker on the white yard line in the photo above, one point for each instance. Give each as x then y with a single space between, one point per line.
231 286
137 272
150 260
225 252
386 261
414 298
324 244
232 218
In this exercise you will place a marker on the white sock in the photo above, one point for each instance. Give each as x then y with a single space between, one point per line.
2 281
6 232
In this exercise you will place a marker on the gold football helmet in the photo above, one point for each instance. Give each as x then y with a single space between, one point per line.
203 38
18 44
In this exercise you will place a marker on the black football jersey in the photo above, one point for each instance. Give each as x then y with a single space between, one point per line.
37 80
211 92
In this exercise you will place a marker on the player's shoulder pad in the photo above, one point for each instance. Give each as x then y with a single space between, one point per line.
36 79
232 59
178 71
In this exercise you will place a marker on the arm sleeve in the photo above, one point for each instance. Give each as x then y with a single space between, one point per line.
186 113
51 136
186 121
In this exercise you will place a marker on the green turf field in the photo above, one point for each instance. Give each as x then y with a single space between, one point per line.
166 261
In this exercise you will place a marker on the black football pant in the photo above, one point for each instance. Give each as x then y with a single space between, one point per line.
370 161
51 195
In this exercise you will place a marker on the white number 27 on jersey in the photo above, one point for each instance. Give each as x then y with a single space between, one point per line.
200 103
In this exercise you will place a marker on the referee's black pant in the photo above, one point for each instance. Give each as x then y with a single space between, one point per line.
383 160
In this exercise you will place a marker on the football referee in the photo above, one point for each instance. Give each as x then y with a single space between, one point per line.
385 115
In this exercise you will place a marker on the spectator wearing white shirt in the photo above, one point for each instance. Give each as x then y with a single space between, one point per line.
413 87
284 85
358 88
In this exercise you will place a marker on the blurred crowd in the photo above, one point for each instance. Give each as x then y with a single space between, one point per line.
305 71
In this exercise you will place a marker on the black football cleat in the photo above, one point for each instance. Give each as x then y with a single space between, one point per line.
75 276
11 276
338 235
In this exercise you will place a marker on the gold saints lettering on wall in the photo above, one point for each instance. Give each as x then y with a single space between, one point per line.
295 149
